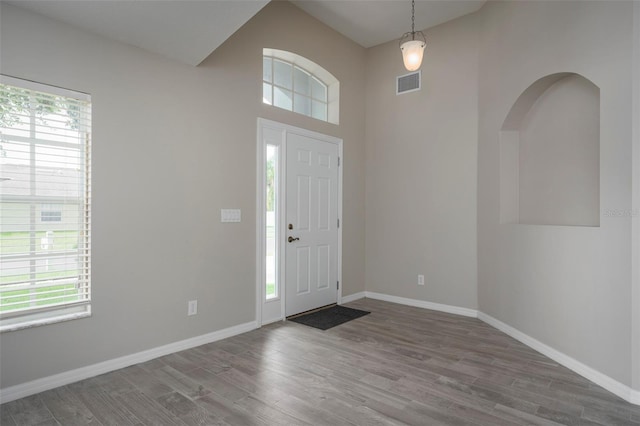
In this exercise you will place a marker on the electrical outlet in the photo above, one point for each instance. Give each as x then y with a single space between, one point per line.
420 279
192 307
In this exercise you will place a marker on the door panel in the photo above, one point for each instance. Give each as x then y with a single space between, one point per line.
303 267
303 192
324 266
324 203
312 212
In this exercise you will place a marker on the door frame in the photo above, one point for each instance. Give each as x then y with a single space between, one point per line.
274 310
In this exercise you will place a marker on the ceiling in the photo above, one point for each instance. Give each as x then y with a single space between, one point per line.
189 30
372 22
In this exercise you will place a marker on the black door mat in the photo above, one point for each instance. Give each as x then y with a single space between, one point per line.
325 319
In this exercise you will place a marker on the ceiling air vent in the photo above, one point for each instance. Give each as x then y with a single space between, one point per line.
408 83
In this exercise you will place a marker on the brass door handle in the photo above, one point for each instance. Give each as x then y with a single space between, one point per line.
291 239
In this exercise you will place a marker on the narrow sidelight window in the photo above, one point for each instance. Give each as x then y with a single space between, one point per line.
271 229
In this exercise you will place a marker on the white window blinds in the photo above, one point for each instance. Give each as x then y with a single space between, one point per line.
45 204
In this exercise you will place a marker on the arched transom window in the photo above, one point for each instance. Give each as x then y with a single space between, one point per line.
294 83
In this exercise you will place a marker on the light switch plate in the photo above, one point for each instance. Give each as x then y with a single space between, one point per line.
192 307
230 215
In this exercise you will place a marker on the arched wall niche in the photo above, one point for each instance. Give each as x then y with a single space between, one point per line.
550 154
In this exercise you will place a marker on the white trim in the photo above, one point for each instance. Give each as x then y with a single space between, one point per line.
260 255
47 318
282 216
266 308
457 310
40 385
46 383
286 129
341 222
271 321
635 205
44 88
610 384
352 297
623 391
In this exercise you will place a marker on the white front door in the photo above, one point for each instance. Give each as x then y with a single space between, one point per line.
311 234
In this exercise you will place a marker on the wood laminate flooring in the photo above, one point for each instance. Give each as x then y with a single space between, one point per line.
398 365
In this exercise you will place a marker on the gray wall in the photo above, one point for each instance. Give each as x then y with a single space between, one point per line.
559 164
569 287
432 184
172 145
422 170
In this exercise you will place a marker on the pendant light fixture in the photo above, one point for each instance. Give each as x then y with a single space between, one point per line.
412 48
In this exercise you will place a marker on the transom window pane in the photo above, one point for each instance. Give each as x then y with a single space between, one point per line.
319 110
282 74
318 90
282 98
302 104
301 81
267 70
267 96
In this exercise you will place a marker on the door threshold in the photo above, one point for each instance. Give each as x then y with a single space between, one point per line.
312 310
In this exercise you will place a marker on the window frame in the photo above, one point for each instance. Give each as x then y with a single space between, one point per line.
51 212
62 310
329 112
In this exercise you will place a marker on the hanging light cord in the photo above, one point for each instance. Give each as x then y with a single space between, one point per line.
411 35
413 19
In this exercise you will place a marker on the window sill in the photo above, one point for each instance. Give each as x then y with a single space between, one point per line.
30 322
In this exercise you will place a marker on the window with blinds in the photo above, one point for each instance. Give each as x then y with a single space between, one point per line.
45 204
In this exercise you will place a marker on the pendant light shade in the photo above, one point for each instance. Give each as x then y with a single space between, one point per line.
412 44
412 52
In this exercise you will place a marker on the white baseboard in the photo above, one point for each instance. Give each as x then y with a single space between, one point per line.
352 297
423 304
623 391
610 384
40 385
271 321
